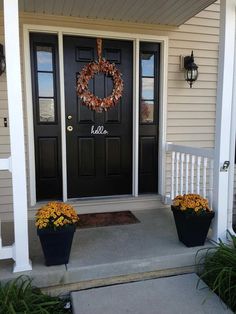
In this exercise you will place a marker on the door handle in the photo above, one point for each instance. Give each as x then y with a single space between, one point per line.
70 128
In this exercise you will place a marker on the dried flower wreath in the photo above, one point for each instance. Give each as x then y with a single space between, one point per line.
88 72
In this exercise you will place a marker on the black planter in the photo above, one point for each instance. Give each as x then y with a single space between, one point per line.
192 229
56 244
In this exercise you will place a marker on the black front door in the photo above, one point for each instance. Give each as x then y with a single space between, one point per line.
99 145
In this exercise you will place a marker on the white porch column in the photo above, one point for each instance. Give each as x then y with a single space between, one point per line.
14 92
223 116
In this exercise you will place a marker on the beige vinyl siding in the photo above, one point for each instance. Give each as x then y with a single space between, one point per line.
5 176
190 112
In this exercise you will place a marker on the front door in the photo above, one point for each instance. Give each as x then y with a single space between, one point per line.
99 145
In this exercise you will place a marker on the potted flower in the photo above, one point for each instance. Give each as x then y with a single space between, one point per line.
56 223
193 217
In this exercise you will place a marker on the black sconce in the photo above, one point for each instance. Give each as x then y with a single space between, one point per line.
2 60
191 70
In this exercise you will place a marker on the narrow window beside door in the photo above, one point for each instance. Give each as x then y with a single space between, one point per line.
44 61
148 118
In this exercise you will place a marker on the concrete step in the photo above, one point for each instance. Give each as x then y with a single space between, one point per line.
110 255
110 204
173 295
66 288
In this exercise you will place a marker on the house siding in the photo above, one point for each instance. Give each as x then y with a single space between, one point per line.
190 112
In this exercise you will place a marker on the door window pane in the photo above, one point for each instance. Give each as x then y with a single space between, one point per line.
46 110
147 88
147 111
45 84
147 63
44 58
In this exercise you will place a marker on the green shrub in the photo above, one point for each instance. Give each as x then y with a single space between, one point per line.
219 271
19 296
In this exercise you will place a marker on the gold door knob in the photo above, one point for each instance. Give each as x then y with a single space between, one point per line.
70 128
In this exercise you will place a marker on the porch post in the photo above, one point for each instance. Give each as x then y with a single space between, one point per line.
223 116
14 92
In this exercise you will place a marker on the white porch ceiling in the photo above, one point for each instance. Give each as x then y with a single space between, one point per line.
168 12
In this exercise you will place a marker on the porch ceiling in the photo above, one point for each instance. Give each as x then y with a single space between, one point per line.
168 12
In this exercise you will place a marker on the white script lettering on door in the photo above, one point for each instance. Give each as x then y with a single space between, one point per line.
99 130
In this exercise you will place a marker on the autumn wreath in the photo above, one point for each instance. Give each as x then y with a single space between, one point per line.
101 66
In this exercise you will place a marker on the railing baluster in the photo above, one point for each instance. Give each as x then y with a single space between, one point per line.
6 252
192 173
177 174
204 183
198 174
172 174
190 169
181 173
210 197
186 173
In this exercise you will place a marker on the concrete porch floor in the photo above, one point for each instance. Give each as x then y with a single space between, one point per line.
107 255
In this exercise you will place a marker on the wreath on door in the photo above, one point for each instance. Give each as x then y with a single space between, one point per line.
92 101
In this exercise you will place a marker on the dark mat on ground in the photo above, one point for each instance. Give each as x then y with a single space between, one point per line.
106 219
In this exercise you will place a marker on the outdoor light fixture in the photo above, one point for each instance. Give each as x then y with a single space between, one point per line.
191 70
2 60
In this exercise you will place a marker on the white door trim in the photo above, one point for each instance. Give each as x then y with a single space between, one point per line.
29 119
136 38
135 151
63 113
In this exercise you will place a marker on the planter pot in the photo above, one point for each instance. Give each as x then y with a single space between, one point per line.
56 244
192 229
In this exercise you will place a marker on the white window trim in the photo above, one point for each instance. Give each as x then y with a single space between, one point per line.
136 38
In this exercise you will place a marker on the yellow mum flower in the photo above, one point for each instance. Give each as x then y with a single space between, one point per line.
191 202
55 215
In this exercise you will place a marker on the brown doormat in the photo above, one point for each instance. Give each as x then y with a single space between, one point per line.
106 219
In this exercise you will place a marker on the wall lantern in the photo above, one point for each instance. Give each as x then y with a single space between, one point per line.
191 70
2 60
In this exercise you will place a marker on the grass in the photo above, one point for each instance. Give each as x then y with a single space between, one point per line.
219 271
19 296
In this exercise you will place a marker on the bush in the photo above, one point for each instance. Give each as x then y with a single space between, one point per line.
219 271
19 296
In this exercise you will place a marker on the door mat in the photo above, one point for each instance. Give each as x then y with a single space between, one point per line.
106 219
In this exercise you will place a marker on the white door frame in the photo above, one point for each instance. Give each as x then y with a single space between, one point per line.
136 38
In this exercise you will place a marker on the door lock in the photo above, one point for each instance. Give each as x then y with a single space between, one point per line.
70 128
69 117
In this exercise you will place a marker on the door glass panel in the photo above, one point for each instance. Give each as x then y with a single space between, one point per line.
46 110
147 60
45 84
44 58
147 111
147 88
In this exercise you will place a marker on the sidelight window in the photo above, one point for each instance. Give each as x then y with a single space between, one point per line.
148 116
147 86
45 76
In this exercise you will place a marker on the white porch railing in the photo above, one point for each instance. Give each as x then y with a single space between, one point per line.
191 171
5 251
